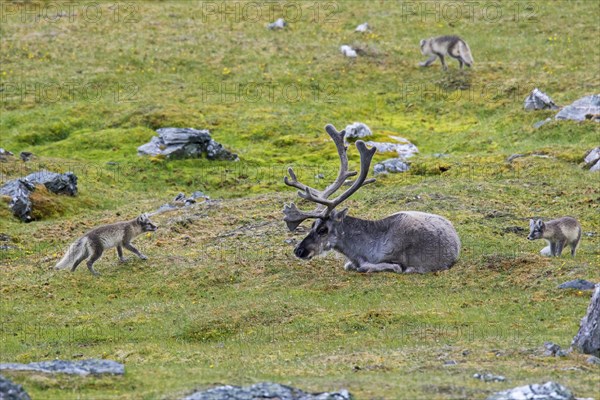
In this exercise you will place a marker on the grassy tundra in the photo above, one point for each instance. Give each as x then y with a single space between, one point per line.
221 298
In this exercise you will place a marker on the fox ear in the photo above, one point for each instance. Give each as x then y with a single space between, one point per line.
422 43
539 223
142 217
531 224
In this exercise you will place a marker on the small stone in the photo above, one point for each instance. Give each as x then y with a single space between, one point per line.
278 24
357 130
450 362
348 51
593 360
578 284
592 156
538 100
198 195
595 167
25 156
364 27
392 165
541 123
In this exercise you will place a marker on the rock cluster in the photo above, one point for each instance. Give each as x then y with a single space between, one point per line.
547 391
174 143
82 367
583 109
20 189
264 390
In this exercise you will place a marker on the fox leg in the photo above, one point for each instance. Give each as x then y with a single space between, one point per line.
78 261
428 62
90 263
381 267
559 248
135 251
444 66
120 254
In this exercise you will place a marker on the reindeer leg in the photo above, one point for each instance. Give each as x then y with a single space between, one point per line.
381 267
350 266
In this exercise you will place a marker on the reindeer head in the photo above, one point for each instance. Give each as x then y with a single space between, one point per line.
324 230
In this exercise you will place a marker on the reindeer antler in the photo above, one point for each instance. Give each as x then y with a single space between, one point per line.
294 217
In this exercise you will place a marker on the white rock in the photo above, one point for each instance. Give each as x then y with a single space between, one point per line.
348 51
362 28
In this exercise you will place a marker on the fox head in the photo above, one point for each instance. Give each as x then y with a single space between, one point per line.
536 229
145 223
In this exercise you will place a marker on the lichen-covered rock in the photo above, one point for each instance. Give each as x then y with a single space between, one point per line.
81 367
392 165
586 108
185 143
403 150
12 391
357 130
20 189
587 339
538 100
592 159
56 183
547 391
264 390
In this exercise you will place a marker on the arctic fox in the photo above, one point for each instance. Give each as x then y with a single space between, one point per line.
93 243
441 46
558 233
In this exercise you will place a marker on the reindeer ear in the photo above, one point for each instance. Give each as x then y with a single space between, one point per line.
292 225
339 215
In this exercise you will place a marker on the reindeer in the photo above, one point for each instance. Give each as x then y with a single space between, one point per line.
407 241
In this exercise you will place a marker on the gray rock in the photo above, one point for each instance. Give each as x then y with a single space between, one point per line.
364 27
587 339
279 24
348 51
579 284
392 165
12 391
5 154
404 150
552 349
357 130
56 183
595 167
547 391
185 143
580 110
541 123
538 100
19 190
264 390
199 195
489 377
592 156
593 360
26 155
82 367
